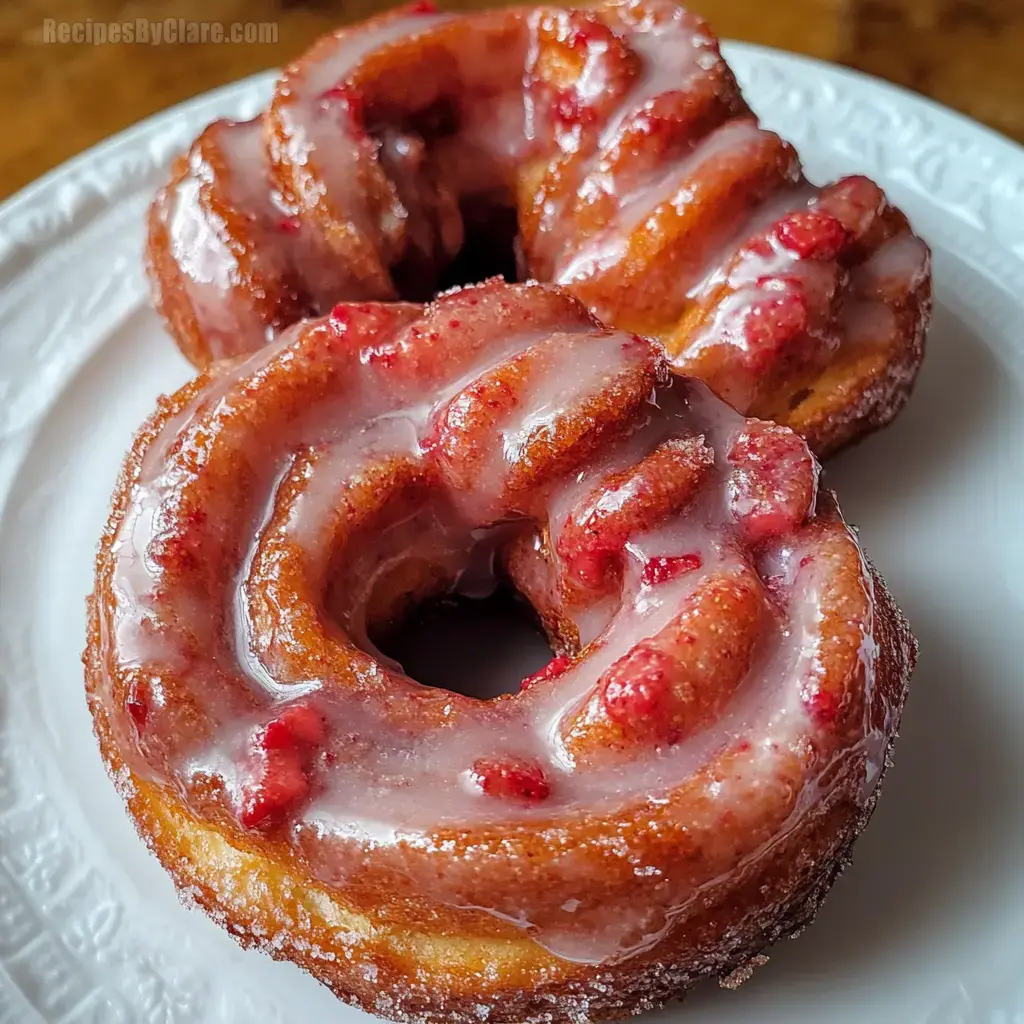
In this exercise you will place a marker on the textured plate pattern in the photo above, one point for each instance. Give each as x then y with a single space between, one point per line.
89 932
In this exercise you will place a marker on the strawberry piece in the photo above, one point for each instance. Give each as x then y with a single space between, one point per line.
824 707
297 725
339 318
628 503
343 94
636 692
137 705
775 319
279 779
305 724
139 712
757 247
811 235
512 779
422 7
362 320
289 225
278 784
669 567
555 667
772 487
177 552
678 681
275 736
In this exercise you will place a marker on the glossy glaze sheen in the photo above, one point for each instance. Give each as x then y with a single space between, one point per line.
641 180
273 511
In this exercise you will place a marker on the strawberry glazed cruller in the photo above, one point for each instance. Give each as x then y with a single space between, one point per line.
615 142
674 791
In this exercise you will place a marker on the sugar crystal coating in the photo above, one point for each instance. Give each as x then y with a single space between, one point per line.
616 139
277 513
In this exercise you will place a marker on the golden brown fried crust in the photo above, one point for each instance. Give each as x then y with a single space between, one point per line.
860 388
380 944
418 962
861 391
260 296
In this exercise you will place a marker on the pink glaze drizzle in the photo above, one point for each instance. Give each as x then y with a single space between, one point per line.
366 199
386 786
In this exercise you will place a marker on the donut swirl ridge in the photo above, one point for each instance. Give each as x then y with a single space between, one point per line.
607 149
676 789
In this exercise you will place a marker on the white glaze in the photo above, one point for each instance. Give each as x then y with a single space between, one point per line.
286 259
403 786
349 242
319 130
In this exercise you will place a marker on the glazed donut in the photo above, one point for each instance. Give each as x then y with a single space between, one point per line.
674 791
616 137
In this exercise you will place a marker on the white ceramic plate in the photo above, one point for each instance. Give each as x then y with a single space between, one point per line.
927 927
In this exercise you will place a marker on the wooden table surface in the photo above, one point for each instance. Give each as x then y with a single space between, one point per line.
60 98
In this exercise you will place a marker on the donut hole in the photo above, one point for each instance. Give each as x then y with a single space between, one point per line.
436 148
489 249
441 605
480 647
